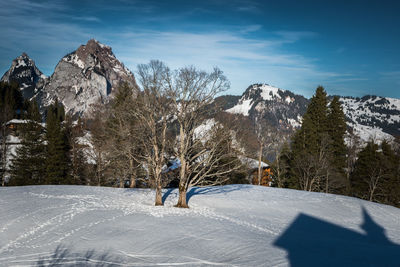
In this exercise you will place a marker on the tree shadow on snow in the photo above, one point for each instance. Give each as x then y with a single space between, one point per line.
167 193
210 190
310 241
63 256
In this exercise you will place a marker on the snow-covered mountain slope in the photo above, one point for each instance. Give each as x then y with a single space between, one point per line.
236 225
372 116
281 108
90 74
24 71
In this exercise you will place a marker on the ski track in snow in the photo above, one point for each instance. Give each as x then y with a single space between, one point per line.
50 229
47 217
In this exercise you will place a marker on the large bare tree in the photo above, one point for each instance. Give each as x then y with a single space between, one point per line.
153 111
123 135
98 144
192 91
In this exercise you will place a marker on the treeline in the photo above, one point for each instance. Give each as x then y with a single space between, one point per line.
135 139
151 138
42 154
318 159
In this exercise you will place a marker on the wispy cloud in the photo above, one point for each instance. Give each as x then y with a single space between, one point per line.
245 60
35 27
87 18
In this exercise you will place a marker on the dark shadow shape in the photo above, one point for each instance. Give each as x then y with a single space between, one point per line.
63 256
166 194
310 241
211 190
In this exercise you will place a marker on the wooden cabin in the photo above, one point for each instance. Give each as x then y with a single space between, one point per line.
266 176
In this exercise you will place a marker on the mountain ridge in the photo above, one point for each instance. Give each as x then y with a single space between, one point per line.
369 116
23 71
91 74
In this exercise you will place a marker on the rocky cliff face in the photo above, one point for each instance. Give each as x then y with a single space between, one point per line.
24 72
88 75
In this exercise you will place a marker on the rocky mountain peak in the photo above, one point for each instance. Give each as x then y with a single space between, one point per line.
88 75
263 91
24 71
281 108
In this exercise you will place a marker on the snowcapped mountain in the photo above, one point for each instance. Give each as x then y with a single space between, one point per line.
234 225
92 73
24 72
373 116
88 75
370 116
281 108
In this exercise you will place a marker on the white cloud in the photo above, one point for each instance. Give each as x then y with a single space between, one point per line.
244 60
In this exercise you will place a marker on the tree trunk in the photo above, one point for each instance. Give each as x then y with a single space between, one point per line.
259 164
182 197
327 183
132 183
159 196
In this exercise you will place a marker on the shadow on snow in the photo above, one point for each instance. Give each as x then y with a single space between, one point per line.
210 190
63 256
310 241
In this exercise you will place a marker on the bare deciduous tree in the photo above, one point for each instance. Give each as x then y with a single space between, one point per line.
261 130
153 111
98 144
313 169
191 92
123 135
281 166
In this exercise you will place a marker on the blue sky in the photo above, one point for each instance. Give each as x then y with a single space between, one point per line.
349 47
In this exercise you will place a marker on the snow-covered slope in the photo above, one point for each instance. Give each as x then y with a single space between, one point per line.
373 116
236 225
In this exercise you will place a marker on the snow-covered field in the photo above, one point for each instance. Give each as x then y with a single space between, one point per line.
236 225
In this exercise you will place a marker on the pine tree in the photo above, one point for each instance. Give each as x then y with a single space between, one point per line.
310 153
336 129
27 167
391 181
366 180
57 161
314 126
78 171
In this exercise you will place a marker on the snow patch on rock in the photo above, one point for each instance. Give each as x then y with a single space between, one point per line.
269 92
243 107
